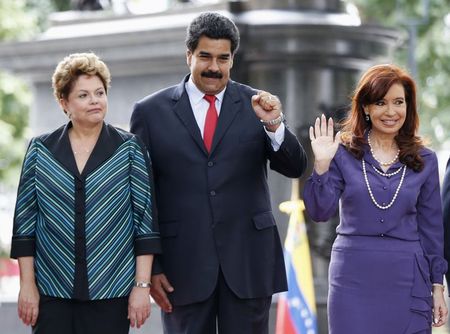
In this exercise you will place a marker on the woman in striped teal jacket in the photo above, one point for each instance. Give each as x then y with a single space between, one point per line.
84 232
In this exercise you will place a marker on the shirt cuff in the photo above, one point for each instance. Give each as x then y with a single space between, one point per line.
437 279
277 137
320 179
22 246
145 245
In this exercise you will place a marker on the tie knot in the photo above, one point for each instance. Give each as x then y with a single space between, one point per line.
210 98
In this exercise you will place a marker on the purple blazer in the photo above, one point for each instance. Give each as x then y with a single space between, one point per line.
416 213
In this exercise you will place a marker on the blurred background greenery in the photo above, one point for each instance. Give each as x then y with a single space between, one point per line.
430 19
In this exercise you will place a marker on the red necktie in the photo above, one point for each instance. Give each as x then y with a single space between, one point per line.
210 121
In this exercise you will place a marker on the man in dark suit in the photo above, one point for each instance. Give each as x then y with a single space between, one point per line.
446 214
222 257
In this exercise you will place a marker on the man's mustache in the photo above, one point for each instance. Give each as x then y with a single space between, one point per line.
211 74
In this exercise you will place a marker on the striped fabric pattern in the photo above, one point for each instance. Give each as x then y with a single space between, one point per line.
53 225
118 212
110 230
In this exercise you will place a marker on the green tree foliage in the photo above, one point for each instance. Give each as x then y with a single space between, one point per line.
61 5
432 54
14 106
16 23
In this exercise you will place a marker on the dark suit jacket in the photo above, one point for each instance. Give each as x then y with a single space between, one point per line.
214 210
446 212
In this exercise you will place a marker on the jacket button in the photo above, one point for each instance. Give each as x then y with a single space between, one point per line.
212 193
381 235
210 163
381 220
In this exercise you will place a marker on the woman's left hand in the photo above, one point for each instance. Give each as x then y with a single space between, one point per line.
440 311
139 306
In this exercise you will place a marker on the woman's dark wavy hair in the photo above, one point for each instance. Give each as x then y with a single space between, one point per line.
372 87
212 25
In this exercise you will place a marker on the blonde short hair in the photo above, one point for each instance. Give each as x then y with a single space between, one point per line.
71 67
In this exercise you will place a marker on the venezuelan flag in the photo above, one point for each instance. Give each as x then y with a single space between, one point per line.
296 312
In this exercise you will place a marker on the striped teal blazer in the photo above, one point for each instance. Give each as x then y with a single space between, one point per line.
85 230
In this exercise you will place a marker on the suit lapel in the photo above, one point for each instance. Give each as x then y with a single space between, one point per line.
184 112
231 106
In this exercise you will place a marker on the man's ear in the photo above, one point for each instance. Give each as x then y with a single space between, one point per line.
188 57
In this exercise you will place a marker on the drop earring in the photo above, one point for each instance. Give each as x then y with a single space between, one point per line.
367 118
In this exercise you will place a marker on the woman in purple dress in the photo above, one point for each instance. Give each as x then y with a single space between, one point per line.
387 264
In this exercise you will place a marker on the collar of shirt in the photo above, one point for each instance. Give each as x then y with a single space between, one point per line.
199 105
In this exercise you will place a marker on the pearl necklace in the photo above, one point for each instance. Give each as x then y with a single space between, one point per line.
373 154
372 197
386 174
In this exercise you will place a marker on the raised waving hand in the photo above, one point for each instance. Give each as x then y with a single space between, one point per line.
323 142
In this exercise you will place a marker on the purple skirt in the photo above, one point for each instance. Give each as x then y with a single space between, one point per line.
378 285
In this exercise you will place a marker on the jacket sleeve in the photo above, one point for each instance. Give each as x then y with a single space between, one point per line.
321 193
138 126
429 221
290 160
147 239
26 210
